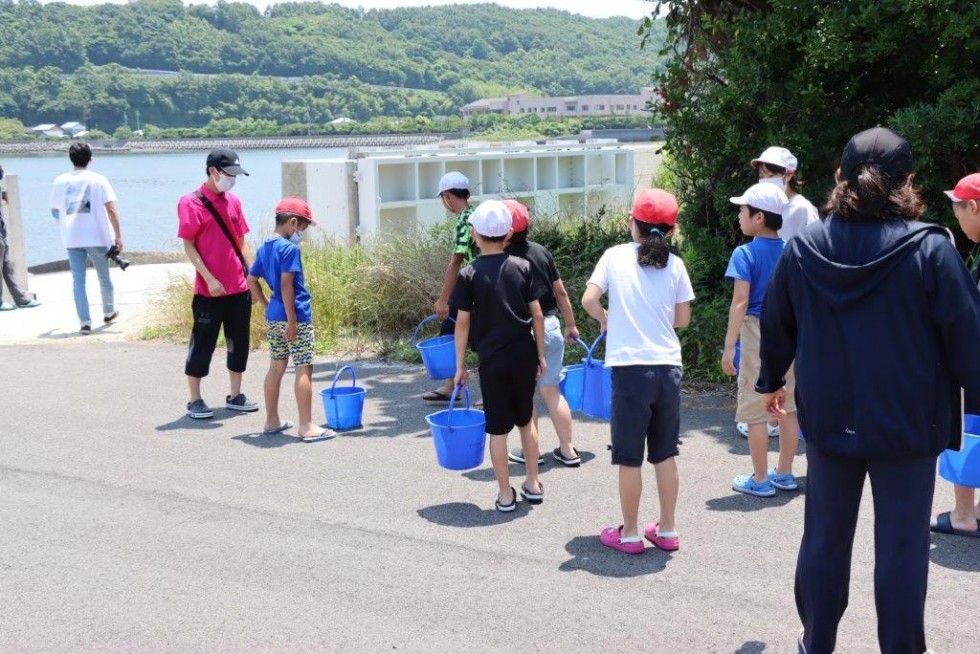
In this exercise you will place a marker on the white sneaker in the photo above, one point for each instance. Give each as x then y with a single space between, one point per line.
773 431
743 430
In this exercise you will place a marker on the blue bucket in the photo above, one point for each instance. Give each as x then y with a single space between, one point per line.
571 383
438 353
738 356
343 406
459 435
597 393
963 467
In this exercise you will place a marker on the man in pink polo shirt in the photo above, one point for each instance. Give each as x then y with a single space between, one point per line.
213 229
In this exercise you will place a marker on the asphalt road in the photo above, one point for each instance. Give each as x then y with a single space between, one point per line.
126 527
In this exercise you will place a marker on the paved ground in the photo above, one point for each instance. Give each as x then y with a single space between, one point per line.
126 526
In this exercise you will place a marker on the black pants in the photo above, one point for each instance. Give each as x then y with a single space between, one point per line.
902 492
234 314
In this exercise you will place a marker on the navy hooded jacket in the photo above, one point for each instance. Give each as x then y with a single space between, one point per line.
883 321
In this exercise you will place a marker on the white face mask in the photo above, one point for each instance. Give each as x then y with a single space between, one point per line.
296 238
775 181
224 183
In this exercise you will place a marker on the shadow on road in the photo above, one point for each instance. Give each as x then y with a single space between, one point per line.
465 514
751 647
185 423
955 552
744 503
589 555
517 469
271 441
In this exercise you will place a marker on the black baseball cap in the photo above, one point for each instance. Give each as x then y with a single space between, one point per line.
225 160
878 146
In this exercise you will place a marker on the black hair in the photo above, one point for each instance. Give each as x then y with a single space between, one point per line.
285 217
80 153
460 193
870 195
655 248
772 168
518 238
493 239
773 221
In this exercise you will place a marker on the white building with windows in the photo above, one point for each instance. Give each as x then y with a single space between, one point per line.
573 106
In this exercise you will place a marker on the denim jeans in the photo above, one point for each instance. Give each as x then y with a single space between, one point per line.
77 259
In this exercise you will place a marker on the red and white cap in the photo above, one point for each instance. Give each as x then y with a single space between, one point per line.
766 197
967 188
656 207
519 216
296 206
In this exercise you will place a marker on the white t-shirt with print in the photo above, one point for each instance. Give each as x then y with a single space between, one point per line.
642 300
798 215
80 198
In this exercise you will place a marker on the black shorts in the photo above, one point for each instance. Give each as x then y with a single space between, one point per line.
507 379
234 313
646 409
448 326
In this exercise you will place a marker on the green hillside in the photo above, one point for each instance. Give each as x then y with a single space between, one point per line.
297 62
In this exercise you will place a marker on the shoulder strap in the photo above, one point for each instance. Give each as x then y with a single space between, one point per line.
224 228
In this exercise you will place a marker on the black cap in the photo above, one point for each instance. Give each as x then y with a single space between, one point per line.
878 146
225 160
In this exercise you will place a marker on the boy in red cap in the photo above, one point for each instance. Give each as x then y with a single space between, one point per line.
650 297
289 317
964 519
554 302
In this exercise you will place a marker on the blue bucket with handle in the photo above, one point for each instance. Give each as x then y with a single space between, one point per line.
344 406
571 383
438 353
597 392
963 467
459 435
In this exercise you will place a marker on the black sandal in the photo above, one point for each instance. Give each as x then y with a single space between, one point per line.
507 508
533 498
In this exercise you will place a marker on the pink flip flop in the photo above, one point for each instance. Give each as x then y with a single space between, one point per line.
665 544
612 537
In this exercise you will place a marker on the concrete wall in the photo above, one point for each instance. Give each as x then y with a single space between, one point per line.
646 164
15 231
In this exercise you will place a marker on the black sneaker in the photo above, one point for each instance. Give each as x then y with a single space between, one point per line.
86 329
517 456
570 461
112 316
240 403
199 410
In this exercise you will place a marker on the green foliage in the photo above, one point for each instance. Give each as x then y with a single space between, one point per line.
299 63
806 75
11 128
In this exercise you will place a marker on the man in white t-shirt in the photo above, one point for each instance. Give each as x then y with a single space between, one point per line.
84 205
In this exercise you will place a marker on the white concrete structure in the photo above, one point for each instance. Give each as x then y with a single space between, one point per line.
15 229
378 192
568 106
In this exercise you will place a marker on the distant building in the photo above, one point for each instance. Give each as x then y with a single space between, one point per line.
573 106
47 129
74 129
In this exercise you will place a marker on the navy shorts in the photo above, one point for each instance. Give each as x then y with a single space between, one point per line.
646 410
507 380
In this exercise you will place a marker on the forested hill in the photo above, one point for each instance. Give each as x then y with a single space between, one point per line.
463 51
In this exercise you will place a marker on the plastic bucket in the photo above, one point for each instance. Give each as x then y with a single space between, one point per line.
597 391
344 406
459 435
571 383
963 467
438 353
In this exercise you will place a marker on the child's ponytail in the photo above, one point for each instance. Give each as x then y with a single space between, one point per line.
655 247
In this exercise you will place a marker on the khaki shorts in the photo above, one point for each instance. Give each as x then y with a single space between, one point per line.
750 408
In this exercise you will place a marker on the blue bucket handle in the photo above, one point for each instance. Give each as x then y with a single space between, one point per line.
595 344
425 321
353 378
452 403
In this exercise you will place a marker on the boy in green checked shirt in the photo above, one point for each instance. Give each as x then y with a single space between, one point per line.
454 191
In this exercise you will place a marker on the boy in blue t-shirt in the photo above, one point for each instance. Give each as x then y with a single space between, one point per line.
751 267
288 315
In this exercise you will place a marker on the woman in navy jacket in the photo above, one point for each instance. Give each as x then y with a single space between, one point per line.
882 318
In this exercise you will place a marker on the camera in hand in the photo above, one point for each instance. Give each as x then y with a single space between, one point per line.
113 254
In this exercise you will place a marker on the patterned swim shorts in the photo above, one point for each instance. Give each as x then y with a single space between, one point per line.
301 349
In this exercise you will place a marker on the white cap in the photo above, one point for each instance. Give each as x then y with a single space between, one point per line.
492 218
777 156
454 180
767 197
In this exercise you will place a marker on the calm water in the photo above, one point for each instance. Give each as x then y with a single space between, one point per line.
148 186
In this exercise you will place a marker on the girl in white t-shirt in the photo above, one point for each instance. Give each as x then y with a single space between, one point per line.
649 297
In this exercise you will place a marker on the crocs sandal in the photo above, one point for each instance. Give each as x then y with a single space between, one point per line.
324 435
570 461
612 537
652 532
278 430
438 396
531 497
506 508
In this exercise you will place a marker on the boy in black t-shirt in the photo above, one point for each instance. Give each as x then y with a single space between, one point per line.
502 295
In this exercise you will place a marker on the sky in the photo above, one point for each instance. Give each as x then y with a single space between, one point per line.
593 8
